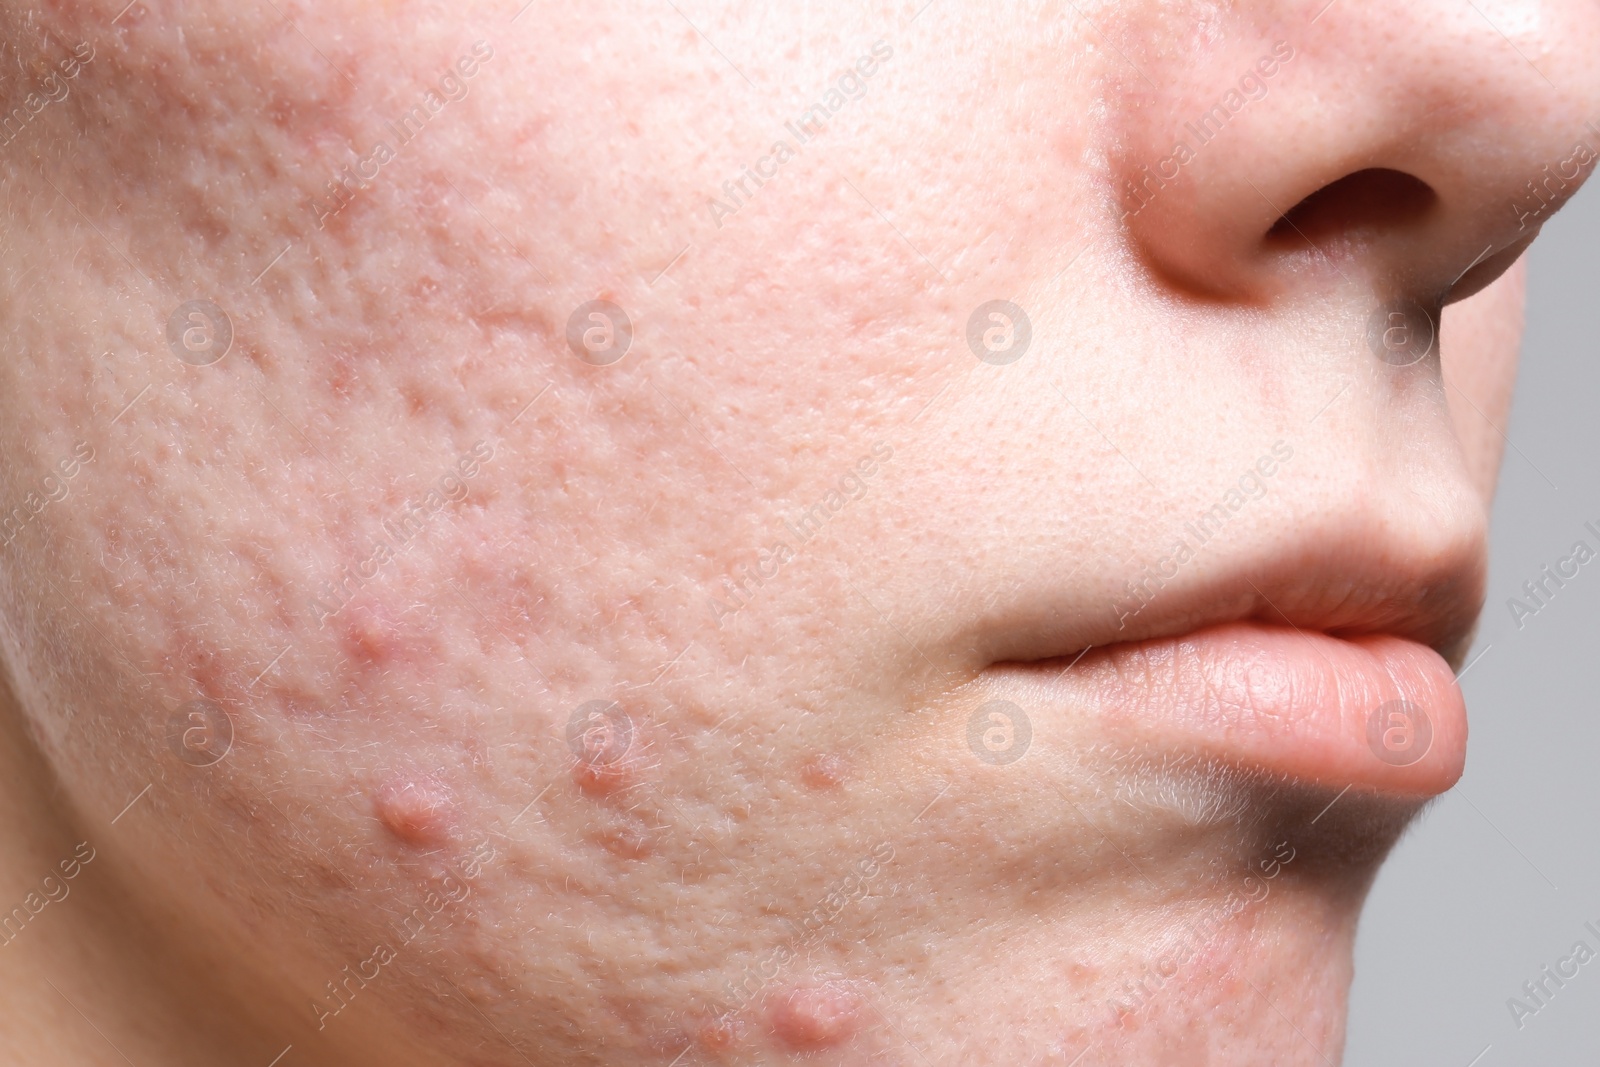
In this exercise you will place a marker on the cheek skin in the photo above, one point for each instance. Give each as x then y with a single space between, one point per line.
399 717
1479 339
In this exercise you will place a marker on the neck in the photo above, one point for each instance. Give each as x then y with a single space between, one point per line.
88 976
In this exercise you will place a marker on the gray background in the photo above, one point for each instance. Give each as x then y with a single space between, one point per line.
1498 877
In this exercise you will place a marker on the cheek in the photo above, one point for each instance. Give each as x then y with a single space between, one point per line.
1479 340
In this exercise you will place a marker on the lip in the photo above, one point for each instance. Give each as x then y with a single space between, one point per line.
1321 710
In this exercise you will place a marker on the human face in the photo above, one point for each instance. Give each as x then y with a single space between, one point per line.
680 534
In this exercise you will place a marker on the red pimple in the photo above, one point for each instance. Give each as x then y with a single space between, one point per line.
1077 1038
602 739
369 640
816 1016
719 1034
601 779
210 678
416 810
823 771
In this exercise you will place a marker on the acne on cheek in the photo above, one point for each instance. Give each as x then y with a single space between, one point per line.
324 669
823 771
368 639
719 1034
368 648
605 762
420 811
817 1016
603 779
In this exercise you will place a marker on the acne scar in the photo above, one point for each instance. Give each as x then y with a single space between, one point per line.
816 1016
416 810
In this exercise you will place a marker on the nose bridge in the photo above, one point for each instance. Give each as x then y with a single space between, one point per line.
1367 146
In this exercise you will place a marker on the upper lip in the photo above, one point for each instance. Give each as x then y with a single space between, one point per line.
1343 587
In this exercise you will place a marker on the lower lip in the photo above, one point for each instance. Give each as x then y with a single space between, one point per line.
1375 712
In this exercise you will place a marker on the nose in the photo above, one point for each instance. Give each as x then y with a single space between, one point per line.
1403 150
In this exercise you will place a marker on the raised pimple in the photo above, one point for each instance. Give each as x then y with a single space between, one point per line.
366 641
601 779
719 1033
1083 975
370 637
601 737
816 1016
419 811
823 771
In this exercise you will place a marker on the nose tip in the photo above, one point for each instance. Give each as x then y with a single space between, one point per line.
1398 150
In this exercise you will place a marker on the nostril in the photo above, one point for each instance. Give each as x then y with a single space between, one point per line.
1357 206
